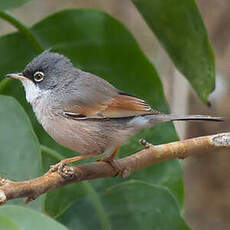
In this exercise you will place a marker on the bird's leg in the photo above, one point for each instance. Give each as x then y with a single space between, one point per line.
67 172
110 159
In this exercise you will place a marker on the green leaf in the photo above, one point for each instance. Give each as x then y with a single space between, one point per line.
18 142
28 36
9 4
98 44
7 224
180 29
135 205
28 219
57 201
68 195
20 150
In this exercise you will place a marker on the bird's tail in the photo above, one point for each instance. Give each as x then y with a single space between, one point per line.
174 117
150 120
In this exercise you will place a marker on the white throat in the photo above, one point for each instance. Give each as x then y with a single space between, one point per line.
38 98
32 91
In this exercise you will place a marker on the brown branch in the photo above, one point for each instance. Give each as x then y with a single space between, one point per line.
148 156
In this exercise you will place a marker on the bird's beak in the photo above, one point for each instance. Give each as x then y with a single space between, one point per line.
18 76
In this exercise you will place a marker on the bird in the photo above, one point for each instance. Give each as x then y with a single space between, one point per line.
84 112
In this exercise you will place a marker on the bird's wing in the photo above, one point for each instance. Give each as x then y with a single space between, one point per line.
101 100
117 107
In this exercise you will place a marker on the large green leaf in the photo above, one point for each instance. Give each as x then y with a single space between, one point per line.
9 4
130 205
179 27
18 142
7 223
96 43
20 150
27 219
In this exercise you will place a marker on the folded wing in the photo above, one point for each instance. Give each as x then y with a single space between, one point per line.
121 105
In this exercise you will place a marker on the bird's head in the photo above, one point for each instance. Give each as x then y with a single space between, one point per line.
43 74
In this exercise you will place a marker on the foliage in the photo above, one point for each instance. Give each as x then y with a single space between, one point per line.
96 42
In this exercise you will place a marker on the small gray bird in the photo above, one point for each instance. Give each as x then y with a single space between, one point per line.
84 112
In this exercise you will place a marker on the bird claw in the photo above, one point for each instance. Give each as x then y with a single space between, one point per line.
3 181
145 143
63 169
114 164
53 168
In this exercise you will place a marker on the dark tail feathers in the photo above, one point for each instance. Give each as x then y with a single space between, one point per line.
173 117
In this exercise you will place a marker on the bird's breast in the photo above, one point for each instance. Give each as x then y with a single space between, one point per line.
79 136
83 136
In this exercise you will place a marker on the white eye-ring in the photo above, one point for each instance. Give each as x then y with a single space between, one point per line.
39 76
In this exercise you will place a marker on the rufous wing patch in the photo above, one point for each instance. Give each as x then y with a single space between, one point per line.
118 106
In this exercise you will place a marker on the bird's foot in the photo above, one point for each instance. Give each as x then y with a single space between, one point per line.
63 169
145 143
67 171
113 163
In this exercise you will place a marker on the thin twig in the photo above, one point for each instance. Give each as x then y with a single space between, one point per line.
150 155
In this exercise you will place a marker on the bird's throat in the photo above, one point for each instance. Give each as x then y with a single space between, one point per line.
32 91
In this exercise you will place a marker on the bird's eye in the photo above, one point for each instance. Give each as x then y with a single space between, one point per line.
38 76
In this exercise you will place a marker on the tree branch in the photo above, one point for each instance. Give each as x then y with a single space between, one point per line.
148 156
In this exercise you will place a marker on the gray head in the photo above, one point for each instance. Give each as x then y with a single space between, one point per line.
43 73
47 69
